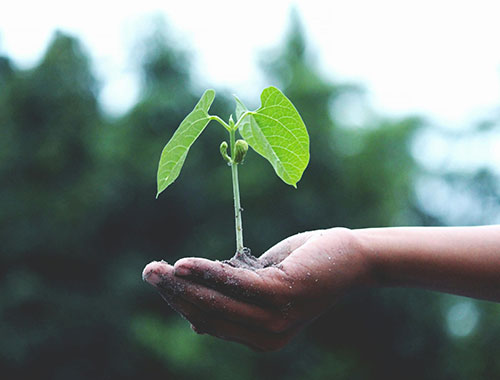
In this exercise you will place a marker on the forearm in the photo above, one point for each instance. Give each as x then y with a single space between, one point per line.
458 260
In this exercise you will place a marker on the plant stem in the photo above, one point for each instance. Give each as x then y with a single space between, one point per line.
240 120
220 121
236 195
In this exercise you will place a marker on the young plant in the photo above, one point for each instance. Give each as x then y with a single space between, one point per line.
275 131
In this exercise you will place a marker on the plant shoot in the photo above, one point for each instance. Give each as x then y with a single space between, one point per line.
275 131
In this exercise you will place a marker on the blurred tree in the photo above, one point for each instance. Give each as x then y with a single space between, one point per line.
46 114
70 279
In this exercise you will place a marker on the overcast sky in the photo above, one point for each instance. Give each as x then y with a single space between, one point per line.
436 58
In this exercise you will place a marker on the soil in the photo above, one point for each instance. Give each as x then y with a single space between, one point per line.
244 259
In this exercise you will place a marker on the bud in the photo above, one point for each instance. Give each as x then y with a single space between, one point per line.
223 152
240 150
231 121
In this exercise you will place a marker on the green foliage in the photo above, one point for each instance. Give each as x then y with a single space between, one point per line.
175 152
276 131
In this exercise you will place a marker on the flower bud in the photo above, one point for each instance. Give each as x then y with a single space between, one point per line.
223 152
240 150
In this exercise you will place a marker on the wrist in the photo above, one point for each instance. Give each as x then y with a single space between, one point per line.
368 245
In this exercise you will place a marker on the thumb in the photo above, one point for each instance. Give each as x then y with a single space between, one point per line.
281 250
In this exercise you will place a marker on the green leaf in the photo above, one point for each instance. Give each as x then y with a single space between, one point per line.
276 131
175 152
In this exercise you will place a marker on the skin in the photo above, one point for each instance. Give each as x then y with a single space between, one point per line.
306 273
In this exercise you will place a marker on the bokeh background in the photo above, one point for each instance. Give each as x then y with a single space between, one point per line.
79 218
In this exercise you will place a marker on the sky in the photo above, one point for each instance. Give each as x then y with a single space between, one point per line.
439 58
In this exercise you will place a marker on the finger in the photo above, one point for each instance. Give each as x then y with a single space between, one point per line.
260 340
240 282
209 300
159 274
258 287
255 339
281 250
222 306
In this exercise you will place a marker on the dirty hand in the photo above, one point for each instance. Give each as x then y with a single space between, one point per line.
299 279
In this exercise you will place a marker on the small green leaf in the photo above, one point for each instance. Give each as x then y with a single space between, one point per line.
276 131
175 152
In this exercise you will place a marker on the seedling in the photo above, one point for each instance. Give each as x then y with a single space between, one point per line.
275 131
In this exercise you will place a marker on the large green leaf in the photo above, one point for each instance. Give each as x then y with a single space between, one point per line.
175 152
276 131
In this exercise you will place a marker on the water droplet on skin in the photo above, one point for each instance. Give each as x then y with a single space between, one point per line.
308 273
329 257
290 286
316 280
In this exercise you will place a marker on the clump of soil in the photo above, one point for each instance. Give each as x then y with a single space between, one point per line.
244 259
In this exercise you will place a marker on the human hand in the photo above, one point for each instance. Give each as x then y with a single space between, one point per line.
300 278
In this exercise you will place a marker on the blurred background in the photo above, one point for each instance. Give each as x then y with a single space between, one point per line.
403 109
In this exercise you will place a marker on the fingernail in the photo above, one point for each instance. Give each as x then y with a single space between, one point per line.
153 278
152 273
182 271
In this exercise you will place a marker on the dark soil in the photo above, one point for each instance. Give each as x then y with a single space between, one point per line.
244 259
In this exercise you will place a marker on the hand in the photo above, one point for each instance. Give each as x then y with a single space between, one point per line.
302 276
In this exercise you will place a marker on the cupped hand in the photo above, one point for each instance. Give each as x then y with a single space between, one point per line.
300 278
